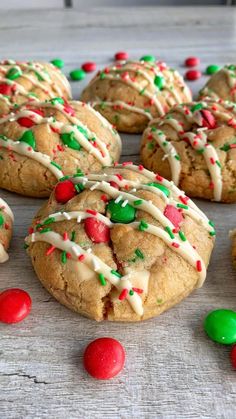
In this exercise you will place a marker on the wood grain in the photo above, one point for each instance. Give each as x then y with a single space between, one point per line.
172 369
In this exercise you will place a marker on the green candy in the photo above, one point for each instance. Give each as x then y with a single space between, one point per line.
196 107
231 67
163 188
212 69
58 63
121 214
70 141
1 220
148 58
77 74
28 137
220 326
159 81
13 73
56 100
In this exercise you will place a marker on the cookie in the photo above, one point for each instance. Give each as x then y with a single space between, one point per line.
126 247
6 222
221 85
132 93
21 82
233 238
194 145
43 141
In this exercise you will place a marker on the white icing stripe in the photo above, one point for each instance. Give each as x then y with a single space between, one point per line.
75 250
5 207
25 150
185 249
123 105
3 254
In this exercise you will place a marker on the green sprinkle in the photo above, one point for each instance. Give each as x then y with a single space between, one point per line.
102 75
39 76
182 236
159 301
56 165
58 63
139 253
212 233
211 223
138 202
79 187
113 272
182 206
28 138
177 157
26 246
169 231
212 69
64 178
196 107
102 279
225 147
201 150
70 141
45 230
131 292
162 188
218 163
73 236
1 220
85 132
142 225
49 220
159 82
13 73
142 91
153 129
56 100
63 257
77 74
148 58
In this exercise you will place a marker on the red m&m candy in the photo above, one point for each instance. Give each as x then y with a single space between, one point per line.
173 215
233 356
192 61
208 120
64 191
25 122
5 89
97 231
104 358
88 67
121 55
15 305
192 75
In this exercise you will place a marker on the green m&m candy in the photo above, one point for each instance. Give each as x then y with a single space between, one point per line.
78 74
14 73
162 188
148 58
70 141
220 325
159 82
56 100
28 138
119 214
212 69
196 107
58 63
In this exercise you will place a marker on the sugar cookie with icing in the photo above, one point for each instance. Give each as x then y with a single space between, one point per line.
126 246
132 93
6 223
195 146
21 82
43 141
221 85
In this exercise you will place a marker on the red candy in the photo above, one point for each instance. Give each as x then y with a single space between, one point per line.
208 119
121 55
15 305
114 184
192 61
193 75
97 231
104 358
233 356
64 191
5 89
25 122
89 67
173 215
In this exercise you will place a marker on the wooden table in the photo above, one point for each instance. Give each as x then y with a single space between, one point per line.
172 369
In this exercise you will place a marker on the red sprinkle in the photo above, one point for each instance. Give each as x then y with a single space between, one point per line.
104 358
158 177
89 66
138 290
114 184
104 198
123 294
121 55
192 61
65 236
233 356
120 177
199 266
15 305
184 199
208 120
176 245
50 250
81 258
89 211
192 75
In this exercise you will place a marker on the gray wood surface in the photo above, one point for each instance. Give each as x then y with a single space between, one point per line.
172 369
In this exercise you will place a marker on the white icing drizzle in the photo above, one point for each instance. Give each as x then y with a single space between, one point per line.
5 208
140 68
122 105
166 233
198 142
3 254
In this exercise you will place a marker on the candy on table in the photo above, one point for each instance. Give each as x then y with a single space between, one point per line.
121 55
77 74
104 358
89 66
15 305
57 62
192 61
192 75
148 58
220 325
